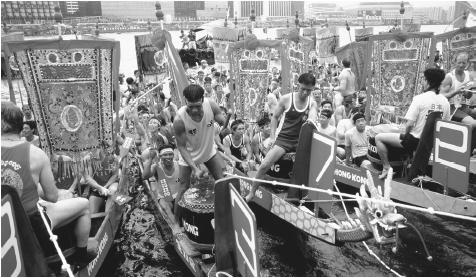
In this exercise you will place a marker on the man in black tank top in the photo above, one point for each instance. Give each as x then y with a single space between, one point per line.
297 107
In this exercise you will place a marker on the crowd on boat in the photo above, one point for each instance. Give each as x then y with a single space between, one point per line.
206 136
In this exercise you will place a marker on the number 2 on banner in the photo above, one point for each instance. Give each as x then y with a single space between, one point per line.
245 242
461 132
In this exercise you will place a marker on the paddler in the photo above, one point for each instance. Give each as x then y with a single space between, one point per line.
27 168
166 169
298 107
346 83
194 132
453 89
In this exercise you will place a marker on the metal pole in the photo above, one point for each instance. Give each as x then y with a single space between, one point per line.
10 84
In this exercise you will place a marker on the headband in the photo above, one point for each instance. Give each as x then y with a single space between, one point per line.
166 150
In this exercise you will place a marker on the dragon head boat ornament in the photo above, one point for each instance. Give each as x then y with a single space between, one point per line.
382 219
375 219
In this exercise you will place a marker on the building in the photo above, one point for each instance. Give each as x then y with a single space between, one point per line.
80 8
213 10
143 10
323 10
450 16
266 8
388 12
23 12
247 6
430 14
278 8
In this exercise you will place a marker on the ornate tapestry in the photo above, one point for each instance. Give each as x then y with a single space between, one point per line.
363 34
397 61
295 61
250 66
356 53
327 40
70 84
151 61
456 42
222 38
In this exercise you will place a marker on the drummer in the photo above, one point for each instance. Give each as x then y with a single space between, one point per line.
194 132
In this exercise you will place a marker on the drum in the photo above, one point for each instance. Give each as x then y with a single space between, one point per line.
197 211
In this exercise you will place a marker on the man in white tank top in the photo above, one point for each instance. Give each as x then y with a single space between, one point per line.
453 88
194 132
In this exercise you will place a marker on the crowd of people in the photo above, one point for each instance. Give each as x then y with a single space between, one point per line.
205 135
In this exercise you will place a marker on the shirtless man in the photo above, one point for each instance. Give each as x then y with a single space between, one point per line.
194 133
346 83
344 111
24 166
298 107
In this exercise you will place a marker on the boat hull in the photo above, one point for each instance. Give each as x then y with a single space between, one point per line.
407 193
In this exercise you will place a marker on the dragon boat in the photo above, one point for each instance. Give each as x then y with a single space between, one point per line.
212 241
440 174
69 123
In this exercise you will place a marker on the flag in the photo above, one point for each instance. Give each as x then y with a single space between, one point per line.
177 71
468 19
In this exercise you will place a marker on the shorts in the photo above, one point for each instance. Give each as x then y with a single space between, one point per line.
288 145
41 232
409 142
91 192
461 113
359 159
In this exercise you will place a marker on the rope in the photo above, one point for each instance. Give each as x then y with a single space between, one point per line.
54 239
380 261
424 193
429 210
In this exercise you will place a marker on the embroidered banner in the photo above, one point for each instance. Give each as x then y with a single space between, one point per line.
222 38
250 65
296 60
151 61
71 85
397 61
455 42
327 40
356 53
